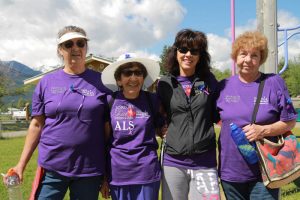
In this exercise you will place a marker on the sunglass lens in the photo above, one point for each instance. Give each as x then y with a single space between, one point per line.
80 43
138 73
69 44
183 50
127 73
194 51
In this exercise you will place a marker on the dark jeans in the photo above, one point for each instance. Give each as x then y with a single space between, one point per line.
54 187
253 190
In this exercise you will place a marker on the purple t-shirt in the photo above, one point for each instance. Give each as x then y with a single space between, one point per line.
195 161
72 140
236 104
133 151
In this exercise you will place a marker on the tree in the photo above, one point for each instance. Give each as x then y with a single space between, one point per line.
220 75
163 58
21 103
3 87
291 77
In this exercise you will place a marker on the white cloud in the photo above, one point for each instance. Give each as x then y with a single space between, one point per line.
219 49
29 28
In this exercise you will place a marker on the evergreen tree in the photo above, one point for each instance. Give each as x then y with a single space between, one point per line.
163 58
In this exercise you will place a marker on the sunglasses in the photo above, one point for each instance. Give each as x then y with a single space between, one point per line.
129 73
184 50
79 43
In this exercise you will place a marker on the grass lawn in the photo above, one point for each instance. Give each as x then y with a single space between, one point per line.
10 150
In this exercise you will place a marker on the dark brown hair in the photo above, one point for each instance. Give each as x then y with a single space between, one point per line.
191 39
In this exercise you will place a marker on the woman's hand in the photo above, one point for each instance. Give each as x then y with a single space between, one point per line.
164 131
15 170
254 132
105 190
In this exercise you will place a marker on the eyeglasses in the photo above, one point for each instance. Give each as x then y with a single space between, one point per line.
129 73
69 44
184 50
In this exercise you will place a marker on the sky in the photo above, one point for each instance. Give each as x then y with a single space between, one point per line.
28 29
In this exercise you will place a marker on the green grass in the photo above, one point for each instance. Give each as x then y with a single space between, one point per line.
10 150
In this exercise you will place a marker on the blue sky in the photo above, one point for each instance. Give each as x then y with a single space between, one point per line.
29 28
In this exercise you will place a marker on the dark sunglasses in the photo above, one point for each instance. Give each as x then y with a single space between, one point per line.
129 73
69 44
185 50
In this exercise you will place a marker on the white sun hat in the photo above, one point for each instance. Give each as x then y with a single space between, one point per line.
152 67
70 35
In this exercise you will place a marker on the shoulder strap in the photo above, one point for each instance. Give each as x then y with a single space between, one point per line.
259 94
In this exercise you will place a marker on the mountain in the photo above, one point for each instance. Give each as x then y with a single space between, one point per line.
16 72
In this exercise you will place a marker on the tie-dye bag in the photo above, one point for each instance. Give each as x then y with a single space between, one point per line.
279 162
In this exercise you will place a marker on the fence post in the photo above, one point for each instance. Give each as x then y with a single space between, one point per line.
1 129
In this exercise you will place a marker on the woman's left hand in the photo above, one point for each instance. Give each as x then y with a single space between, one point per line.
105 190
254 132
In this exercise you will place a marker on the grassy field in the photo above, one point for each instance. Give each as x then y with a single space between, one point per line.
10 150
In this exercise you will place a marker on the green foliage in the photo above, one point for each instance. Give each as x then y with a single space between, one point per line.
163 58
220 75
292 77
3 87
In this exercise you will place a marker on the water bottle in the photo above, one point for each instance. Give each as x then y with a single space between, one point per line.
13 185
246 149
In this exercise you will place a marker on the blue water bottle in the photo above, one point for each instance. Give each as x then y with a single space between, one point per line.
246 149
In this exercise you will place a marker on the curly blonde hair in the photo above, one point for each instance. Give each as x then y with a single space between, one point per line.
251 40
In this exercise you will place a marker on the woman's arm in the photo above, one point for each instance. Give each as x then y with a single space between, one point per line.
107 131
31 142
255 132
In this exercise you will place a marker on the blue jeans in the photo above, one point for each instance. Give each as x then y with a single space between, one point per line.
54 187
253 190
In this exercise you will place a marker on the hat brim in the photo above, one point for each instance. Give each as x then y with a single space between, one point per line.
151 66
69 36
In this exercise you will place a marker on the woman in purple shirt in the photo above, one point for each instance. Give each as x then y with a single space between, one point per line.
134 166
275 116
68 119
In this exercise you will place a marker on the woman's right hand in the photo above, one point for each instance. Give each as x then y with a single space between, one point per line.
19 170
105 190
16 170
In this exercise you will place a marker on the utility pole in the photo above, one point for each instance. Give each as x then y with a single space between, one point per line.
266 14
